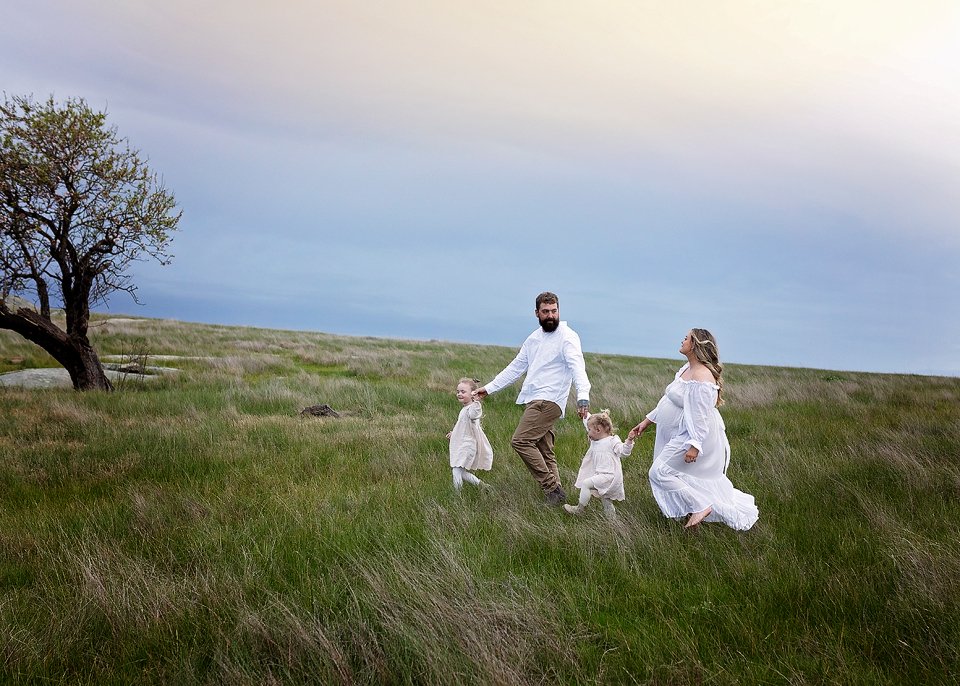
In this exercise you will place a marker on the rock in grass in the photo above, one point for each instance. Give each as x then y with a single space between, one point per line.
319 411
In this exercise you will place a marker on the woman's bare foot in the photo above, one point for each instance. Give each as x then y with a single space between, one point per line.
697 517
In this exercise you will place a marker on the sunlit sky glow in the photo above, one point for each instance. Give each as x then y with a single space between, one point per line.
786 174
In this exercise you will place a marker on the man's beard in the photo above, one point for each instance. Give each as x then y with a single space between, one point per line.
549 325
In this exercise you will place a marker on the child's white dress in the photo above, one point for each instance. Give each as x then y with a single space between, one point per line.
600 469
469 447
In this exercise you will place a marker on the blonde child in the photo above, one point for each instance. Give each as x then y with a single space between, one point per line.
469 447
600 473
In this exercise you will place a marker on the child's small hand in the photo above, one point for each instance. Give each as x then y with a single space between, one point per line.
633 434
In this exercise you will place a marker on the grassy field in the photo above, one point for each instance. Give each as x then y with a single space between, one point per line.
196 529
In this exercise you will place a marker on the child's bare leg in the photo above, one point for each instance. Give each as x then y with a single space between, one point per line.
608 509
460 475
470 478
584 501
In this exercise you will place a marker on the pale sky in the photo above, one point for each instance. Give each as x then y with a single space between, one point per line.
786 174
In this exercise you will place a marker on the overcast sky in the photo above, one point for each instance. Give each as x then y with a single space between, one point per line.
786 174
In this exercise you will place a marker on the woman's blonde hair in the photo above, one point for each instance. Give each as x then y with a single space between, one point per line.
706 351
602 419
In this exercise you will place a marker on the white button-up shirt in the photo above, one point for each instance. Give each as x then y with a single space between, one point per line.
552 362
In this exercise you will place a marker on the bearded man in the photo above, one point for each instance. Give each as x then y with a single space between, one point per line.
552 359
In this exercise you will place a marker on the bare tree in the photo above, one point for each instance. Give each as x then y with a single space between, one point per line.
77 207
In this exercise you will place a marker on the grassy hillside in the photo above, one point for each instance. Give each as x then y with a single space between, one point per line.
196 529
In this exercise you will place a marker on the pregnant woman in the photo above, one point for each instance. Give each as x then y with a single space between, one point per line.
691 452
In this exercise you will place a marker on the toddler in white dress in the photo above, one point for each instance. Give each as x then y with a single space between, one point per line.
469 447
600 474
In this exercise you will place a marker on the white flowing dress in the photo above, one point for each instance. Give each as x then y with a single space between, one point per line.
600 468
687 416
469 447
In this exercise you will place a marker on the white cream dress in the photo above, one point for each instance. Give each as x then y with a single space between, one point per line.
687 416
600 468
469 447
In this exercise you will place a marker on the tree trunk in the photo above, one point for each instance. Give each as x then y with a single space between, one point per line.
74 352
83 364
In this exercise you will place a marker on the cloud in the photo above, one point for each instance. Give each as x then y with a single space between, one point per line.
729 164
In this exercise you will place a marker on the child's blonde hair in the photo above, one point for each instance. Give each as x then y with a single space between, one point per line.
602 420
474 384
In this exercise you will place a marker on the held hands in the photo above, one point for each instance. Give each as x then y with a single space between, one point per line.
691 455
583 408
638 430
480 393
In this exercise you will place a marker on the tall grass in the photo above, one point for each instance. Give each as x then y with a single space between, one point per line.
197 529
